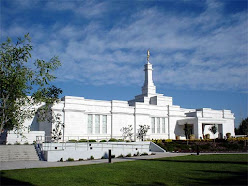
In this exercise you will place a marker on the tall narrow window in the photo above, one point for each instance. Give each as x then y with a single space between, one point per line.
163 125
153 125
97 124
104 124
158 125
90 122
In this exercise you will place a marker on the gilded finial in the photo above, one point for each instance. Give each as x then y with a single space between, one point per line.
148 55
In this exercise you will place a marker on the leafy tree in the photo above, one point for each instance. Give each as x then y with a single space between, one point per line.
19 78
142 131
243 127
214 130
127 132
187 131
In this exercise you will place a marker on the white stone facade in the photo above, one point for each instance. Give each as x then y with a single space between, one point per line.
97 119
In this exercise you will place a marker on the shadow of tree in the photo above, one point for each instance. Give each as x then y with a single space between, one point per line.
233 178
8 181
198 161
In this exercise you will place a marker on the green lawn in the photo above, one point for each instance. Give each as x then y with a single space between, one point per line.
187 170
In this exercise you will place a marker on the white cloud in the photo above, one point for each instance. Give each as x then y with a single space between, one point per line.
205 51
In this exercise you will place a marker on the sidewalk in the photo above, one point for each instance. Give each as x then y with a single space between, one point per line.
11 165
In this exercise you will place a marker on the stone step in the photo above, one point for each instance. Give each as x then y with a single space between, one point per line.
17 152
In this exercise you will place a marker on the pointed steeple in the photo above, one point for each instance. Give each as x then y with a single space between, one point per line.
148 87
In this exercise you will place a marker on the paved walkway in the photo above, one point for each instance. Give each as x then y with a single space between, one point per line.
11 165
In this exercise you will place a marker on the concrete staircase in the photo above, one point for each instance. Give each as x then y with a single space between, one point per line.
17 153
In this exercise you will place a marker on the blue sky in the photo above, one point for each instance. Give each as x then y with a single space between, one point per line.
198 48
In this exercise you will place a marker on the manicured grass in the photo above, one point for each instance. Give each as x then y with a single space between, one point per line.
187 170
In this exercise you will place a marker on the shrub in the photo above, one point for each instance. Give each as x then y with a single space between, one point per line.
70 159
92 140
9 144
91 157
82 140
103 157
228 135
113 156
113 140
168 140
121 156
72 141
80 159
144 154
120 140
153 153
207 136
103 141
26 143
128 155
17 143
192 136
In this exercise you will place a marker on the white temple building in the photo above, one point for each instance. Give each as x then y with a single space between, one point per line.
98 119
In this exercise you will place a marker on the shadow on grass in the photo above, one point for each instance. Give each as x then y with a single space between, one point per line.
197 161
156 183
234 178
8 181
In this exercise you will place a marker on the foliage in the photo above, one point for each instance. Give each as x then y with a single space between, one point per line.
221 145
70 159
82 140
91 157
19 78
144 154
207 136
58 127
228 135
230 169
127 132
187 130
128 155
120 156
91 140
243 127
113 140
142 131
72 141
213 129
103 141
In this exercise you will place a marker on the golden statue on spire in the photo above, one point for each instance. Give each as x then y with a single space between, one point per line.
148 55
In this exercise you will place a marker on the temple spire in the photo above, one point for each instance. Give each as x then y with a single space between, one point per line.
148 88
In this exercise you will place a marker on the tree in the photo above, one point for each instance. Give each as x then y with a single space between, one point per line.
142 131
19 78
187 131
243 127
214 130
127 132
